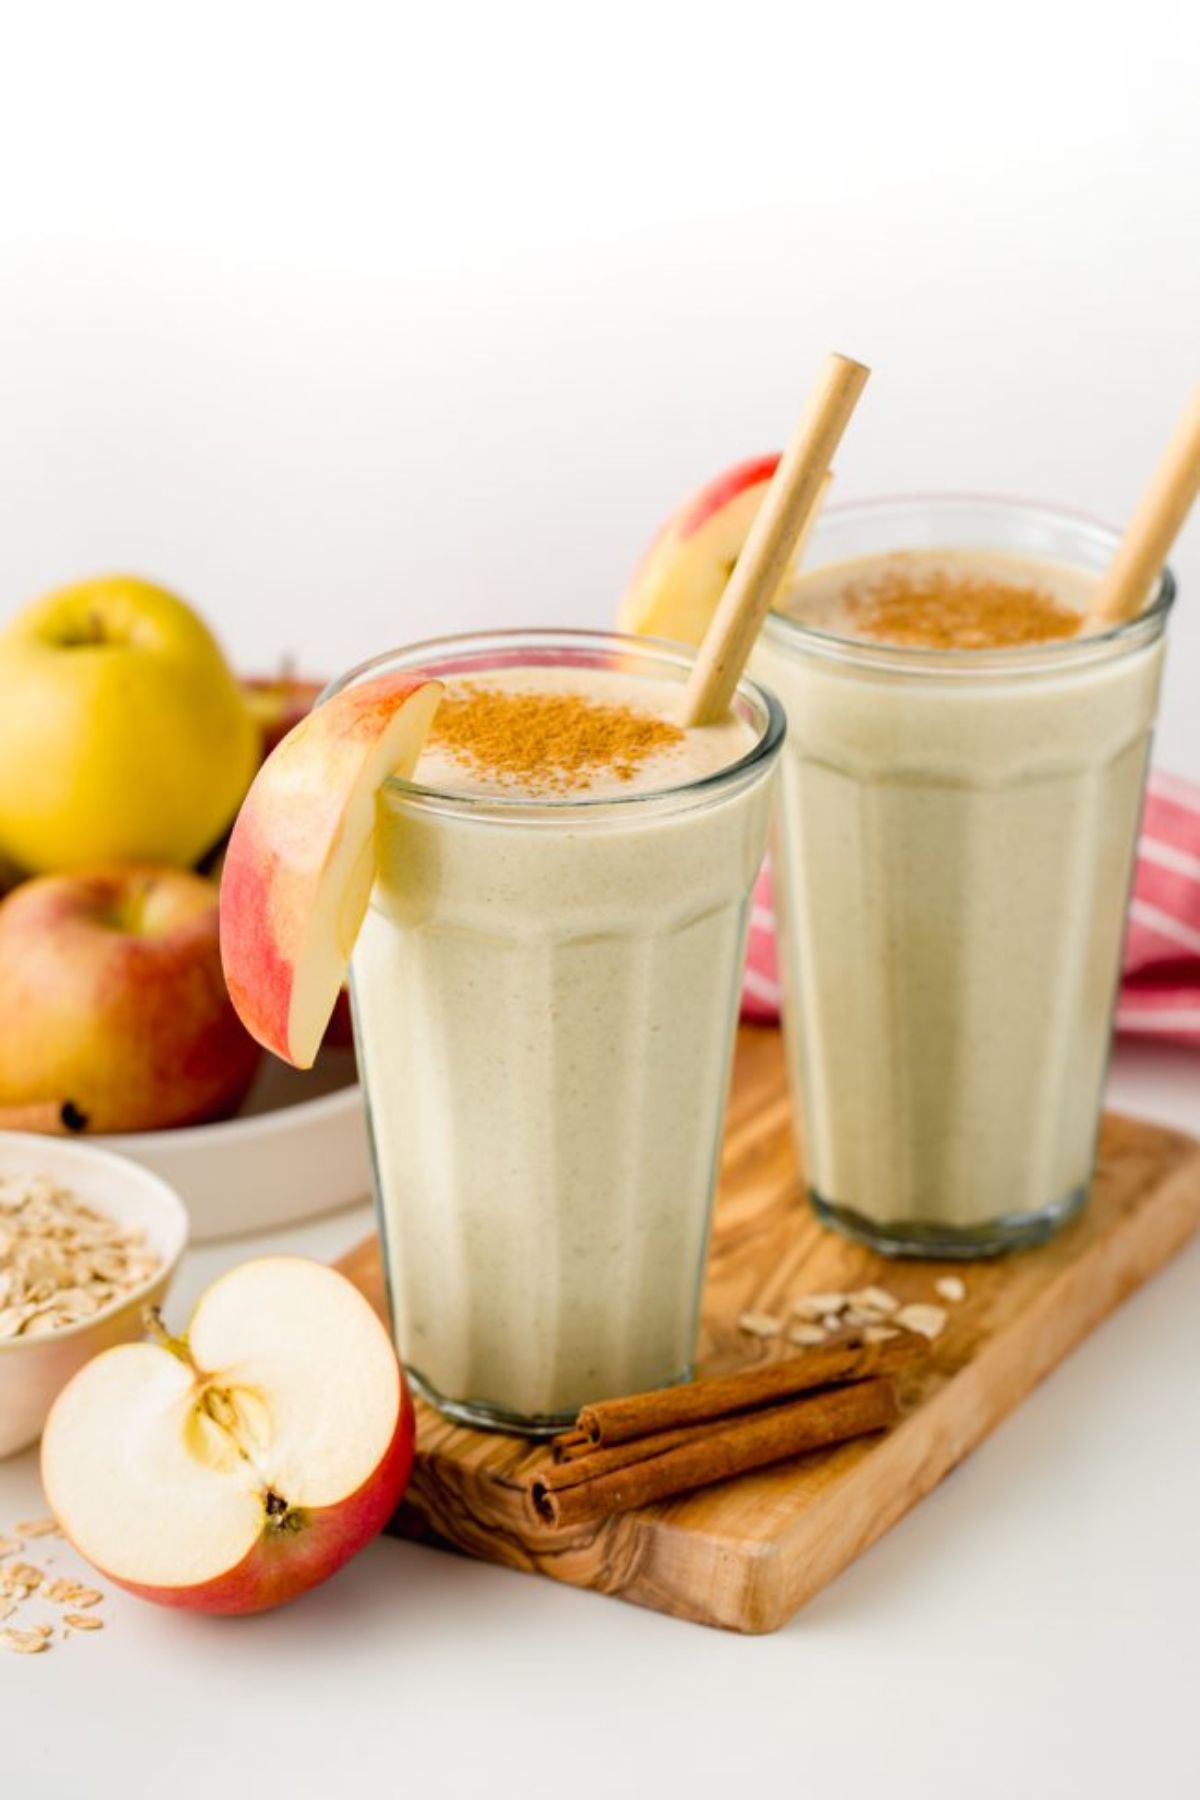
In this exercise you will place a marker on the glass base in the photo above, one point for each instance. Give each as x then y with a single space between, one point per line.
912 1237
482 1415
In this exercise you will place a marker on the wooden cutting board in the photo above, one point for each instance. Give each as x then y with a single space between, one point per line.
747 1554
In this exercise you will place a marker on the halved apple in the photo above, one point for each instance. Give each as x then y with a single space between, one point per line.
229 1471
677 584
298 871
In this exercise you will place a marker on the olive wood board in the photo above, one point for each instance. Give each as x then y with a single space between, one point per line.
747 1554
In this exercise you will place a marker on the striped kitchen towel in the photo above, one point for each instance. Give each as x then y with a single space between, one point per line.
1160 986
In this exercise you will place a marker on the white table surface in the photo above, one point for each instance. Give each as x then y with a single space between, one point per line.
1030 1629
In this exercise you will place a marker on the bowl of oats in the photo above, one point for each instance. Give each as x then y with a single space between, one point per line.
88 1240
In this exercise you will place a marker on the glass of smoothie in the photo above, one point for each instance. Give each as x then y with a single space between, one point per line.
545 992
960 798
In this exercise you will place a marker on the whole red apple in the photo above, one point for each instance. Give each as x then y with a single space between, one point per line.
230 1470
112 998
277 702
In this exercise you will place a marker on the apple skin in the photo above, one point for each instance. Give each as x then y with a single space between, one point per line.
299 866
112 997
124 735
278 1571
676 586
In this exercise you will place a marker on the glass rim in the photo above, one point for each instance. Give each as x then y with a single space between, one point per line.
771 732
933 659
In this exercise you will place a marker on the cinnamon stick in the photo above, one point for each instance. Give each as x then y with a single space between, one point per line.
53 1118
566 1494
716 1396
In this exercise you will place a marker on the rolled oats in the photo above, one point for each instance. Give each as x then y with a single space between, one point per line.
71 1593
927 1320
23 1584
20 1579
816 1306
61 1260
875 1300
25 1643
760 1325
807 1335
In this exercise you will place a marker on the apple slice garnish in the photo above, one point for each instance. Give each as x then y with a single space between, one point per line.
232 1469
676 586
298 871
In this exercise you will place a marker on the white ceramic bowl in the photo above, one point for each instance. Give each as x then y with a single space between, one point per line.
298 1148
33 1370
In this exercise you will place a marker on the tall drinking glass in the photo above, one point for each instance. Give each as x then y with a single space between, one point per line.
956 842
545 993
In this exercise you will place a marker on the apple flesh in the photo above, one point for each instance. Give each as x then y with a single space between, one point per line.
124 734
112 998
232 1470
676 586
300 864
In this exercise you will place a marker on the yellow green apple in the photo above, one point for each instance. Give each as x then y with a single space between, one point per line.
124 735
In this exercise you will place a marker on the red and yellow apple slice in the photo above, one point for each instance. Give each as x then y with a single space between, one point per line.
301 859
229 1471
676 586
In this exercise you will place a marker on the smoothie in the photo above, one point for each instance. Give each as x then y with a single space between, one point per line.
961 792
545 992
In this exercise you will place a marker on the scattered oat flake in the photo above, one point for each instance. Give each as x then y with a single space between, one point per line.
7 1608
874 1299
832 1321
760 1325
807 1335
9 1545
25 1643
21 1575
83 1621
952 1287
927 1320
879 1334
816 1306
70 1593
36 1528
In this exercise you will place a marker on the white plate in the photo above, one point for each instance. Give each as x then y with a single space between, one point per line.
297 1148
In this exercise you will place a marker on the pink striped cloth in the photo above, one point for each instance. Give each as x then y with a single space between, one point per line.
1160 987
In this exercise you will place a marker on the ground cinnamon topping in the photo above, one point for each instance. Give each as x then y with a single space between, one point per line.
550 741
944 612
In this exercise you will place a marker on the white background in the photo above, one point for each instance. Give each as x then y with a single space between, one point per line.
359 323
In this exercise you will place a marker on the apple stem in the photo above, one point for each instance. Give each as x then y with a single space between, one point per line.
178 1346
